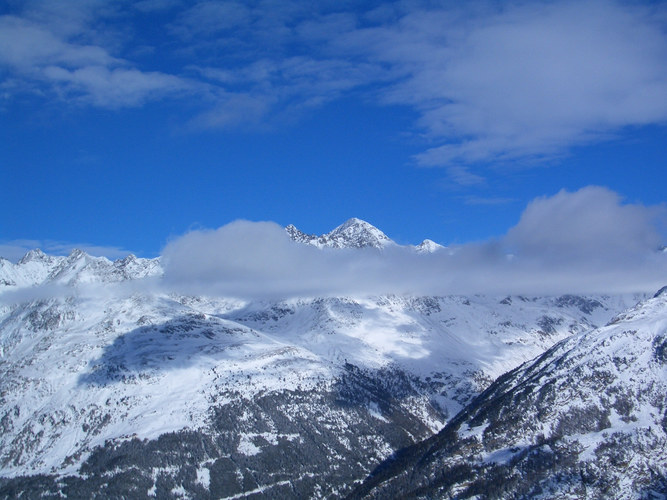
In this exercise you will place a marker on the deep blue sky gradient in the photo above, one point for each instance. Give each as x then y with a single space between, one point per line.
133 176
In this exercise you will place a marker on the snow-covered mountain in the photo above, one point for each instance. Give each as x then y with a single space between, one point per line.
428 246
37 268
139 391
587 419
356 233
353 233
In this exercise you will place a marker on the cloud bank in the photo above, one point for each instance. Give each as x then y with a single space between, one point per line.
588 241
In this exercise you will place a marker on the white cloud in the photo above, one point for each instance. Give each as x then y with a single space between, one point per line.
211 17
26 46
116 87
582 242
258 259
490 81
53 47
589 224
524 79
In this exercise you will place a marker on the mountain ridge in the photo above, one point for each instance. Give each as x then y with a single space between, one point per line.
353 233
37 267
106 388
592 406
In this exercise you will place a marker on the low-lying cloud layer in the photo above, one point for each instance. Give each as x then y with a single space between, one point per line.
588 241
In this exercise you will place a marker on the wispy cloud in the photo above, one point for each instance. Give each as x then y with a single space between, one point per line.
490 81
463 176
62 56
481 200
209 18
27 46
155 5
524 79
117 87
586 241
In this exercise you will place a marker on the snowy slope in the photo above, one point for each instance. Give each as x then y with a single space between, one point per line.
34 268
587 419
100 371
82 371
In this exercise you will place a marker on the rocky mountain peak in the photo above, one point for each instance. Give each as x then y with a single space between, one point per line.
428 246
76 254
356 233
299 236
353 233
33 255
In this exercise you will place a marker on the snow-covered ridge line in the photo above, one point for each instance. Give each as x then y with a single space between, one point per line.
38 268
355 233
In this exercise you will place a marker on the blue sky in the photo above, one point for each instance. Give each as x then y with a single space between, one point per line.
124 125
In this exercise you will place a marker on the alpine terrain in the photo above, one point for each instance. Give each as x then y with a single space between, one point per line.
587 419
113 385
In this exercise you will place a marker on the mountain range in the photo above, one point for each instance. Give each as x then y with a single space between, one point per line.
113 386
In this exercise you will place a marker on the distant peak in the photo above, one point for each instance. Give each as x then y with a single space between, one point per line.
33 255
353 233
353 220
76 253
355 223
428 246
126 261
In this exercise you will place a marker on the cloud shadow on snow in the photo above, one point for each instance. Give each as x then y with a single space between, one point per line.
154 348
205 340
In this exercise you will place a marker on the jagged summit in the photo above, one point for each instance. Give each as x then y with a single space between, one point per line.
36 268
428 246
356 233
300 236
77 253
353 233
33 255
